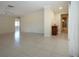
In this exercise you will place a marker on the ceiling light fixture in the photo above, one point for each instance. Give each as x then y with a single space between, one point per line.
10 6
60 8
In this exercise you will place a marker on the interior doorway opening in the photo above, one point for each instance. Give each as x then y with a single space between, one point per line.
17 31
64 23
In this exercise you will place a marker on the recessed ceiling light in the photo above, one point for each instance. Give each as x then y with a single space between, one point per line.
60 8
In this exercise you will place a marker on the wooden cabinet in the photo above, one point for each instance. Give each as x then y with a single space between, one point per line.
54 30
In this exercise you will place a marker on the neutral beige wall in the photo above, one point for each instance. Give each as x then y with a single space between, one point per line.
33 22
6 24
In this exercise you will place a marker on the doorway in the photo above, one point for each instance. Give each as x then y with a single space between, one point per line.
64 23
17 31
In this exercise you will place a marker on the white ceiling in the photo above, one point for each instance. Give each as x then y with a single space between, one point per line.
25 7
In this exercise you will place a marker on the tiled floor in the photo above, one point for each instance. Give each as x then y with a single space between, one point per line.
33 45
